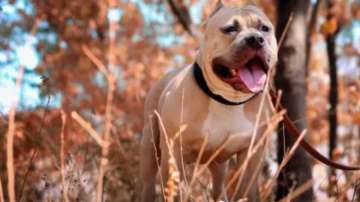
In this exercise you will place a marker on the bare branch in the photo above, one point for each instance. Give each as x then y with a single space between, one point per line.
10 141
108 115
311 28
285 31
1 192
182 14
95 60
64 187
87 126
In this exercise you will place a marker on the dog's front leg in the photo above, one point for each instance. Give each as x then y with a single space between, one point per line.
248 185
148 162
218 173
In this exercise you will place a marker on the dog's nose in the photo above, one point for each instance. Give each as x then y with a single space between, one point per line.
255 42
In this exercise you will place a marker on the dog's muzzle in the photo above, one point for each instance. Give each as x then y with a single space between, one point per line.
248 75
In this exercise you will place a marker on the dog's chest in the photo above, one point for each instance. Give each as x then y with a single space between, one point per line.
223 122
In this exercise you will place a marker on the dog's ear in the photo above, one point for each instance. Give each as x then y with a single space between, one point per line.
218 6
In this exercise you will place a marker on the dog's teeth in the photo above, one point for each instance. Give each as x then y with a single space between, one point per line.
233 72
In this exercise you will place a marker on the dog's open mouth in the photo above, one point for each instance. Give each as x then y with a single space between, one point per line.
249 77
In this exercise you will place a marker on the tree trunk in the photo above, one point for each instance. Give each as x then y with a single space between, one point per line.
290 78
333 94
333 98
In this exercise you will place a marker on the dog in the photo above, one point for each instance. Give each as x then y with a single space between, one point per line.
216 99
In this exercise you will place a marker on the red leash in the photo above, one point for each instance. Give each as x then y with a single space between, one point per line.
292 129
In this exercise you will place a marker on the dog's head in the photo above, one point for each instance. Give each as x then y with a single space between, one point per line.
238 47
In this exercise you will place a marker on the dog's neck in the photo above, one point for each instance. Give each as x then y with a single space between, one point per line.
201 82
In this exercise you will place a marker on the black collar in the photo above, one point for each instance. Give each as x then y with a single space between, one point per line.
199 78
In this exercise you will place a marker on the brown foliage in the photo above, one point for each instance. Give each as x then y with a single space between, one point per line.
137 59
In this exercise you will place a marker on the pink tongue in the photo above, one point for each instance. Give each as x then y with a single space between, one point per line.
254 77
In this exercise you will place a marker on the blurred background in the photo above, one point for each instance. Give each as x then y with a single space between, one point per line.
55 62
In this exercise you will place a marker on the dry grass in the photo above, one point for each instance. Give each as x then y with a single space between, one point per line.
301 189
173 188
88 181
269 185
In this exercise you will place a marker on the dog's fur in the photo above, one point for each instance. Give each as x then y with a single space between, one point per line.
179 101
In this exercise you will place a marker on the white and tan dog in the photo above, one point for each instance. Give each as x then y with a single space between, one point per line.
217 98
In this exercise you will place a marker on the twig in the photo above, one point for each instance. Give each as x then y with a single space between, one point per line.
286 159
353 180
311 28
108 126
11 130
87 126
10 141
63 120
105 147
301 189
27 174
270 128
182 14
278 100
44 83
95 60
180 138
157 154
211 159
168 193
108 119
199 170
1 192
108 116
356 187
257 169
291 153
286 29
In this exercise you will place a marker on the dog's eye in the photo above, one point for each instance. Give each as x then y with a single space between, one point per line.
264 28
229 29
